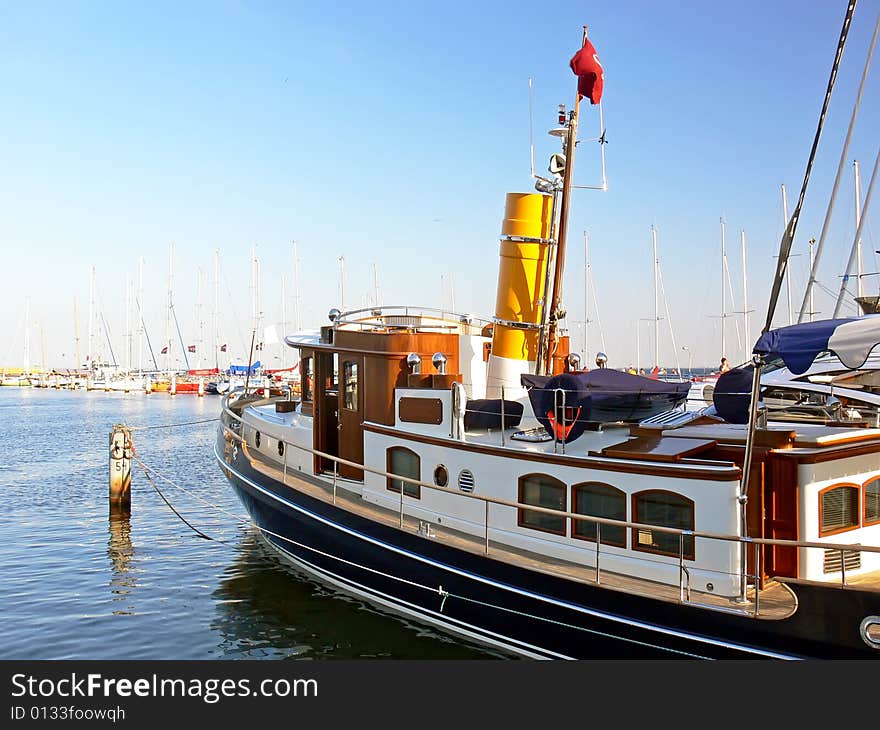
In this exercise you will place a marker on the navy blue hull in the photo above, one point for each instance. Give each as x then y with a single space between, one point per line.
523 610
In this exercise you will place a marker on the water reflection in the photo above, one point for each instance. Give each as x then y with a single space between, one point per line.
268 609
121 553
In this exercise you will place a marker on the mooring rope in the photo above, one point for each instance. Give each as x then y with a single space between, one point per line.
172 425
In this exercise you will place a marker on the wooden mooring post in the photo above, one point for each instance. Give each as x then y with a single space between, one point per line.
120 468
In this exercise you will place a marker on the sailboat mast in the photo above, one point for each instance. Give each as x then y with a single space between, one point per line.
76 336
787 272
90 356
283 321
216 313
27 336
297 312
656 302
140 305
199 317
858 201
378 303
342 283
586 297
746 339
723 297
565 204
168 308
127 325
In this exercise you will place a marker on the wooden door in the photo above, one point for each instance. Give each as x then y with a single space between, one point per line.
326 407
351 414
780 516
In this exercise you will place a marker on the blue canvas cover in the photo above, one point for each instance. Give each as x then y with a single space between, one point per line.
243 369
798 345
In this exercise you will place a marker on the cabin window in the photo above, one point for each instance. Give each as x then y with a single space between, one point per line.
665 509
350 385
599 500
307 375
403 463
838 509
541 490
872 502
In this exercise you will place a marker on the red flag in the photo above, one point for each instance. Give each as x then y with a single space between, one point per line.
164 350
223 348
191 348
591 77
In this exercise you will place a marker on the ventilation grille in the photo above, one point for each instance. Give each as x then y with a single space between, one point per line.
852 560
466 481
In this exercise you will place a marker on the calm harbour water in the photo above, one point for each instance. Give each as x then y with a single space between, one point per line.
77 584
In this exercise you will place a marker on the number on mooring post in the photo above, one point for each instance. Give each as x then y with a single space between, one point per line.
120 468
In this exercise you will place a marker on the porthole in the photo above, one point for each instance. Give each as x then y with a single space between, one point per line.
441 475
280 448
870 630
466 481
257 439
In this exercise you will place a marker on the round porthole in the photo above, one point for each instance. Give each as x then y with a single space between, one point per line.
870 630
280 448
257 439
441 475
466 480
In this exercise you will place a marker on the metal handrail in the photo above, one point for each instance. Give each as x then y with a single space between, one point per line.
406 310
684 573
571 515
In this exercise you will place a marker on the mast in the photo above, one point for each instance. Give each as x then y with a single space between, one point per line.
586 298
140 304
787 272
376 287
812 261
858 196
556 312
199 317
656 302
216 313
297 302
169 308
342 283
76 336
843 153
90 355
852 253
42 353
283 322
27 336
746 339
723 297
127 325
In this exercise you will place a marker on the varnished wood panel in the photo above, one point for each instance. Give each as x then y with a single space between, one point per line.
421 410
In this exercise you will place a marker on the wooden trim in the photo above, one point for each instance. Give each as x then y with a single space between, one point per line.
864 514
604 541
421 410
520 511
636 518
829 453
850 528
388 485
729 474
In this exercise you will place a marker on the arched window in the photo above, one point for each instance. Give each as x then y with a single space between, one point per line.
872 501
541 490
665 509
402 462
838 509
599 500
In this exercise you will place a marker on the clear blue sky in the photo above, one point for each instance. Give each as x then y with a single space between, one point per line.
389 133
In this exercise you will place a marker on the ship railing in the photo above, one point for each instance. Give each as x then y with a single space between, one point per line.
756 544
429 318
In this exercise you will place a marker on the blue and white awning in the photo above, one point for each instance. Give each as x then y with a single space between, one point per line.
798 345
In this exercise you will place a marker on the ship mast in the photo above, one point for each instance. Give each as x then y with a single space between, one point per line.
556 311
